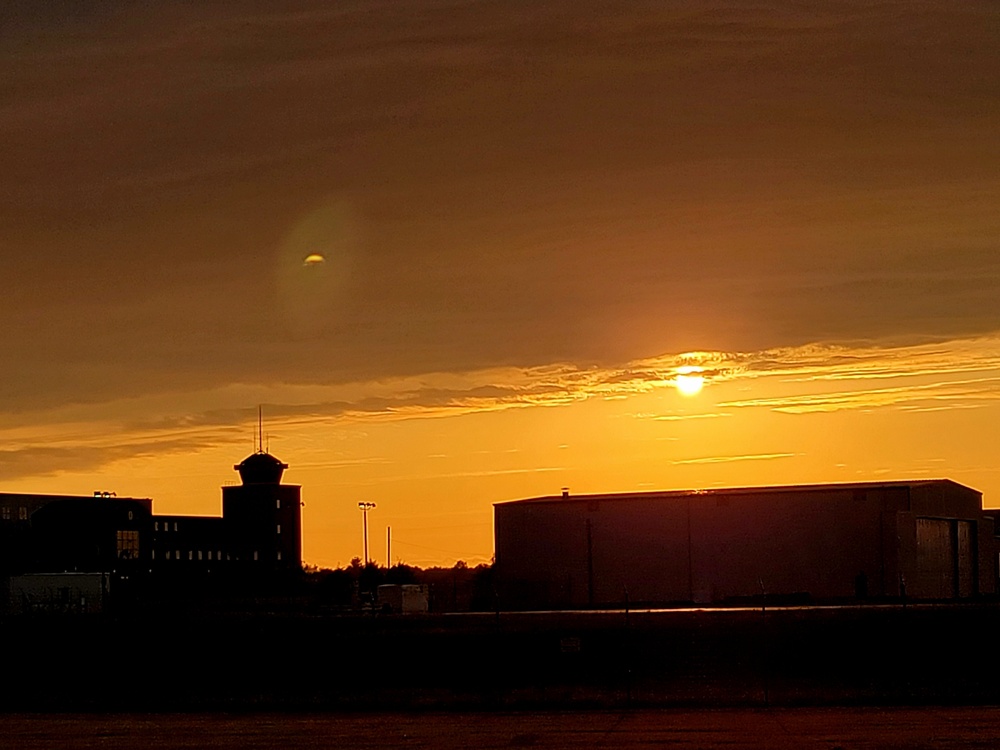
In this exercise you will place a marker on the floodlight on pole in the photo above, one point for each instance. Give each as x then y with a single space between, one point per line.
365 507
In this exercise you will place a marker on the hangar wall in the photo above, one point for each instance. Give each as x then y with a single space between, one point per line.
827 542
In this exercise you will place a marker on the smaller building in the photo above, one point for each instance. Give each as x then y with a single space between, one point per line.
58 593
404 599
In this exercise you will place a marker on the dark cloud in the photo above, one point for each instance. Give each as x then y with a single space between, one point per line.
41 460
495 184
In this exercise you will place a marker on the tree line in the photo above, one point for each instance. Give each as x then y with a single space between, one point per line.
459 588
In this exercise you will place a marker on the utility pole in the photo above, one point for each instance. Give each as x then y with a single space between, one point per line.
365 507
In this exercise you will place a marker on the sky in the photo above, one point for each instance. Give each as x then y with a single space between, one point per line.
535 220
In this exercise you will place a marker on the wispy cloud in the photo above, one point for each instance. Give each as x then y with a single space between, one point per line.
731 459
684 417
943 394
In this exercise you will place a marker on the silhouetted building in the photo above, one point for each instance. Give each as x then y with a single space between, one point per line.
872 540
259 532
262 517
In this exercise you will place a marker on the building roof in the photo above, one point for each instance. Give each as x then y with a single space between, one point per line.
730 491
261 468
50 497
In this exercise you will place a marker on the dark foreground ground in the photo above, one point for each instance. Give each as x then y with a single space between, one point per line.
179 660
774 729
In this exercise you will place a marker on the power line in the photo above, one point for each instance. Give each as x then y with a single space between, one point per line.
436 549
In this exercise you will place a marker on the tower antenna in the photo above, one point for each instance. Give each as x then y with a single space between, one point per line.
260 428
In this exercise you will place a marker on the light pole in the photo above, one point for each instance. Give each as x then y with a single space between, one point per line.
365 507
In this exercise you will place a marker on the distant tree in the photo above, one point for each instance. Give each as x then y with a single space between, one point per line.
401 574
484 595
370 578
337 587
356 567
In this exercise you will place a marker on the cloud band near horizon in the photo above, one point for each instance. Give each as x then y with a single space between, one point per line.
816 378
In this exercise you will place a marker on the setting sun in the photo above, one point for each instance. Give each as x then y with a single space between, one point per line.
688 381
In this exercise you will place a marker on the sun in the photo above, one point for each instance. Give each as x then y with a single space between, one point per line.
688 381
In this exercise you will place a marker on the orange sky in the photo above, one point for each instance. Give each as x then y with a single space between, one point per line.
530 215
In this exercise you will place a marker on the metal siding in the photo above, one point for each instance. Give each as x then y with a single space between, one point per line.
966 558
935 570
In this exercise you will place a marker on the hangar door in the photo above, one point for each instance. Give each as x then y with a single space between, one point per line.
946 558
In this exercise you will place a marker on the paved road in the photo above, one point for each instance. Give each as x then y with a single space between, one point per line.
773 729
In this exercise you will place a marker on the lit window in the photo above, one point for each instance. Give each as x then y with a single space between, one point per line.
6 513
279 554
168 554
199 554
277 504
255 554
156 525
210 554
22 514
190 555
152 554
175 525
279 528
177 554
128 545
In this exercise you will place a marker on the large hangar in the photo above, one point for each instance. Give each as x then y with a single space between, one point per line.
861 541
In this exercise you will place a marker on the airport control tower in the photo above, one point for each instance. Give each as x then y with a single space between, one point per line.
263 517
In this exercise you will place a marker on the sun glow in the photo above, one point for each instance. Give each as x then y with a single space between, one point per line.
688 381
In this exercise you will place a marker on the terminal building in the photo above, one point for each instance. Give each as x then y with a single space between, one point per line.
258 534
869 541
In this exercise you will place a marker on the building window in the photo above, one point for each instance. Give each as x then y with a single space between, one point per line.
6 513
177 554
168 554
128 545
190 555
199 554
255 554
277 504
156 525
22 514
210 554
152 554
279 528
218 555
175 525
279 554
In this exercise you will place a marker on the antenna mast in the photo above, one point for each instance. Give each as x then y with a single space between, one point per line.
260 428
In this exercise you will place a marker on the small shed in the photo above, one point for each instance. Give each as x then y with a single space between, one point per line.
58 593
405 599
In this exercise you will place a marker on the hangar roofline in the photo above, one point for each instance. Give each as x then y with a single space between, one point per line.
729 491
